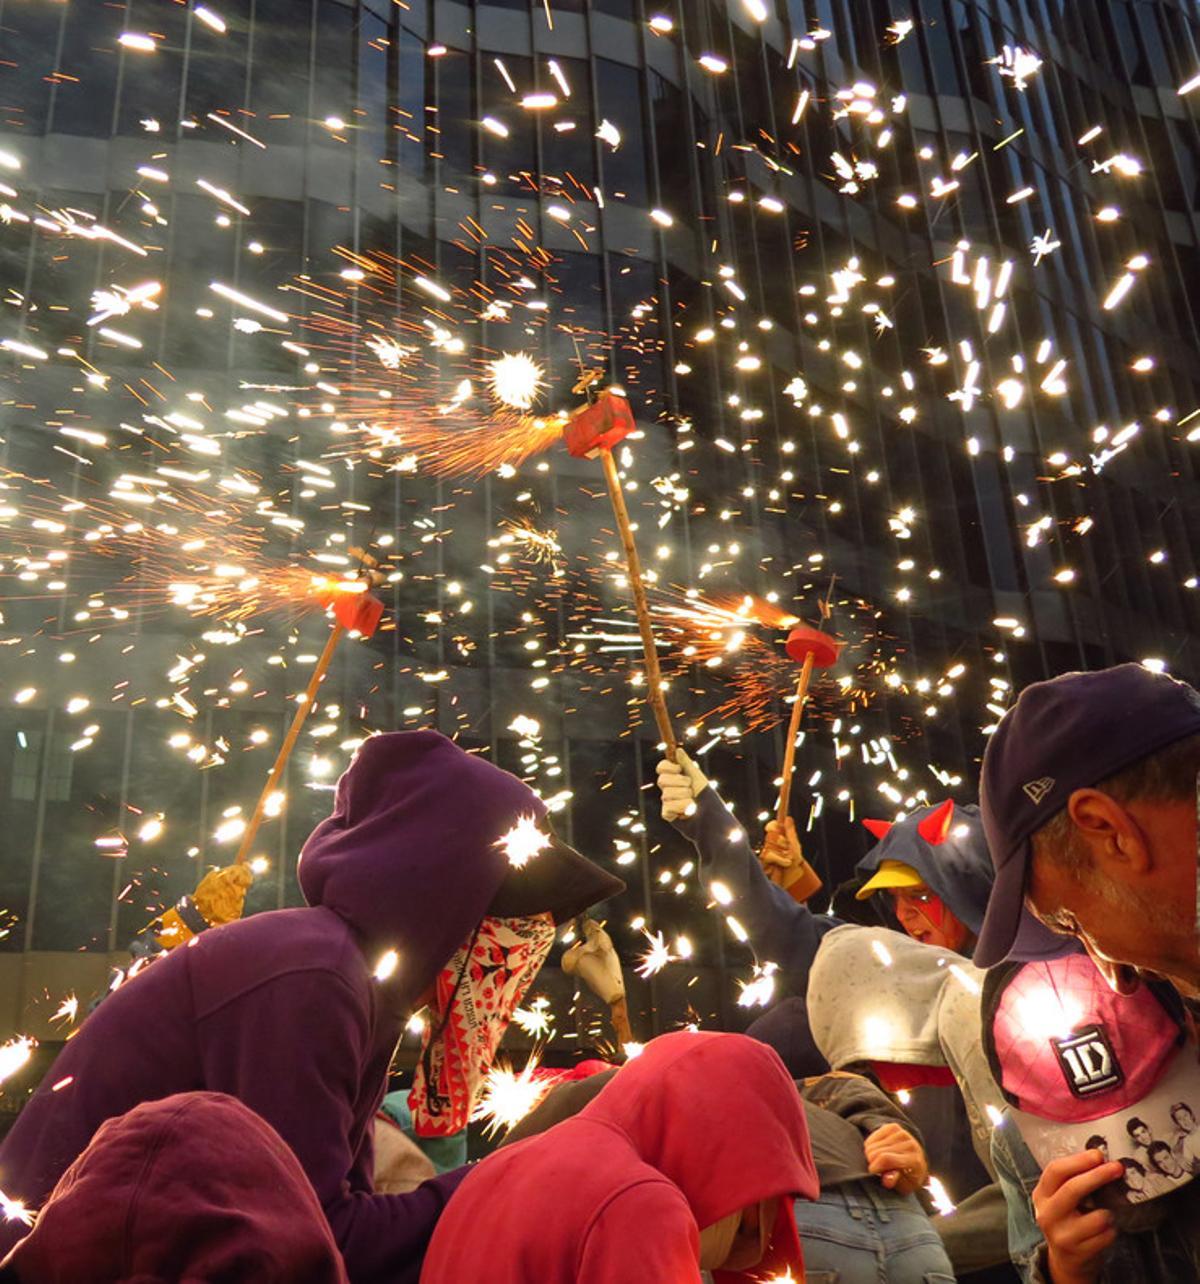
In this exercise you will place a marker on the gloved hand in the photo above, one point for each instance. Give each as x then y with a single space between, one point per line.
219 898
781 849
594 960
221 893
680 782
782 860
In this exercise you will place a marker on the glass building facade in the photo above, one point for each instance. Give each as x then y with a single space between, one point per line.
703 203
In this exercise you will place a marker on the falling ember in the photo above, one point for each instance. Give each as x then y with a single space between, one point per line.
1018 64
390 353
524 841
508 1096
68 1010
515 380
656 957
537 545
759 991
536 1019
14 1210
14 1054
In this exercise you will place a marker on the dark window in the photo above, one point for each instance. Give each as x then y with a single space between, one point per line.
619 94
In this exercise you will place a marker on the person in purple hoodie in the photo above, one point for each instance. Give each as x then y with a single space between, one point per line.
437 879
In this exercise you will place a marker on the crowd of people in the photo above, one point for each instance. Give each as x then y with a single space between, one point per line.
1002 1082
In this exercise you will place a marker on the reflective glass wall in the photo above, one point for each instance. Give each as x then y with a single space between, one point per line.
908 302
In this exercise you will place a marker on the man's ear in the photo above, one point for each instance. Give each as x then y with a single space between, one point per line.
1114 838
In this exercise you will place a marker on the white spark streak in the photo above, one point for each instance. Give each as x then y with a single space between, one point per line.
245 301
222 195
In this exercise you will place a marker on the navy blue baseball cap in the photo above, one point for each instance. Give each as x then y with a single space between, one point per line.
1065 734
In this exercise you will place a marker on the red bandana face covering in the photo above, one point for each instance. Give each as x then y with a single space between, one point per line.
477 992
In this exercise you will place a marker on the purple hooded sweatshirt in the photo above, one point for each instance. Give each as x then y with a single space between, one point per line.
282 1011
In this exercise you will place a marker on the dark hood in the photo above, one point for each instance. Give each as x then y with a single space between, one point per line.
190 1187
410 856
958 869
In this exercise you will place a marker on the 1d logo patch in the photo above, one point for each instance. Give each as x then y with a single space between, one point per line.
1088 1062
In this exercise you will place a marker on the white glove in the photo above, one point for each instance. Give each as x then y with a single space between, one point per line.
680 783
594 960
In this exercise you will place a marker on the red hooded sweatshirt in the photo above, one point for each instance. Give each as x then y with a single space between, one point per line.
191 1188
696 1128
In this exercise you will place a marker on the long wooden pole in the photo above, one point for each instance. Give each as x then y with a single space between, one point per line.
789 753
634 567
289 741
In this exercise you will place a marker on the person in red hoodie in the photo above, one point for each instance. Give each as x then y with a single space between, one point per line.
688 1160
192 1187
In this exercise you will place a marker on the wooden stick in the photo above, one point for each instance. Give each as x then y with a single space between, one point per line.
789 752
289 742
620 1020
653 675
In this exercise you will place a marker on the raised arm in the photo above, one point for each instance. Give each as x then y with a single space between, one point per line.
780 930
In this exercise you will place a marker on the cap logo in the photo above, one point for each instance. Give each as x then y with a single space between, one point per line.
1088 1062
1038 789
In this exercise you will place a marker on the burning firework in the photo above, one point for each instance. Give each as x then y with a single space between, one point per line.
509 1095
515 380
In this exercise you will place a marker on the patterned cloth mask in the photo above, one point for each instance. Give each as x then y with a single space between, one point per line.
477 992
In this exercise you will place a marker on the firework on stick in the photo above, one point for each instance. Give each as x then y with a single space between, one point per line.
594 430
811 649
352 610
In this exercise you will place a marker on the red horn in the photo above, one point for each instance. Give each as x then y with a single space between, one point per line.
878 827
935 828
